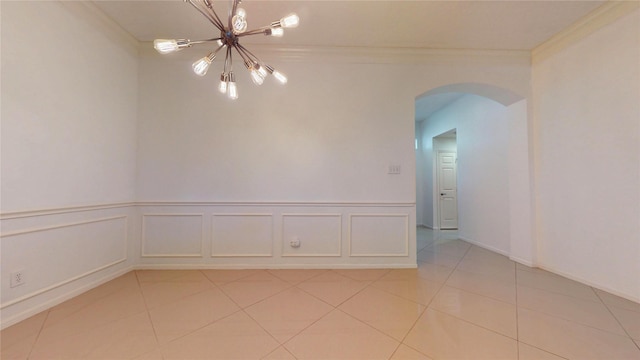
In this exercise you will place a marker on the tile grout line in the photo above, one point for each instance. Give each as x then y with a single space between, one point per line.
146 306
423 311
227 282
357 292
541 349
402 342
616 318
194 330
580 323
372 327
283 347
336 308
299 282
474 324
240 308
552 275
33 346
345 300
263 329
258 301
466 252
213 322
243 309
111 321
477 293
306 327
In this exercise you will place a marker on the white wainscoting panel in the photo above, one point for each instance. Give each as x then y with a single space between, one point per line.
53 256
379 235
318 234
242 235
172 235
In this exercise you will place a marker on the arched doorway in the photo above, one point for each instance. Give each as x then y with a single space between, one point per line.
493 165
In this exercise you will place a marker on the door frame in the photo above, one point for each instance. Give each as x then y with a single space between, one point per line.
435 181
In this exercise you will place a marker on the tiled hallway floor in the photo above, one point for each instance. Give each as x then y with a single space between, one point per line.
463 302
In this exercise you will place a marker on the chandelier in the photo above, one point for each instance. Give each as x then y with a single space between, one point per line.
229 40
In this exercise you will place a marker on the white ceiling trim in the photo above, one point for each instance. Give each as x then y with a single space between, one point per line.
602 16
88 11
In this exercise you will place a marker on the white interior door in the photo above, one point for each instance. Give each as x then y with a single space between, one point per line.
447 190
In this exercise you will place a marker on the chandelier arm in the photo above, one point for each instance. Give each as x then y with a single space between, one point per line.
234 7
230 14
208 11
219 48
245 57
205 14
211 14
226 61
249 54
230 58
196 42
207 3
257 31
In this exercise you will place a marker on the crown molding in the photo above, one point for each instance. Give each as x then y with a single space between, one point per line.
604 15
90 12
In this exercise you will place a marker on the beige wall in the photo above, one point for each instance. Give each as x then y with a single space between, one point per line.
587 141
69 119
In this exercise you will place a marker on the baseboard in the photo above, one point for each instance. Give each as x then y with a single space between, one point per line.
589 283
522 261
61 298
270 266
484 246
498 251
554 271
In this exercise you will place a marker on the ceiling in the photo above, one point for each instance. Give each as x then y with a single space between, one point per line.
425 24
449 24
427 105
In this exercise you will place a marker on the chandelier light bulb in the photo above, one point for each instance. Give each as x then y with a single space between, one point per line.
290 21
166 46
201 66
280 76
239 21
261 70
275 32
223 83
256 77
232 90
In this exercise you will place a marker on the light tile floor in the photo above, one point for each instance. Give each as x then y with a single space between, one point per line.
463 302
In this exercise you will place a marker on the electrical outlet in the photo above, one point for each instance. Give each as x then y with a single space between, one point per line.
295 242
17 278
